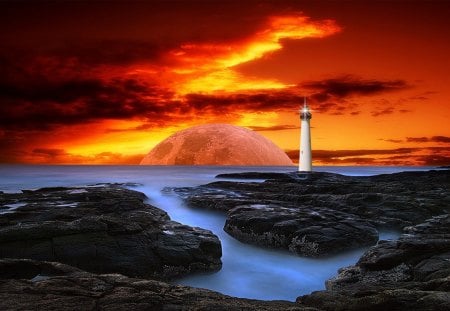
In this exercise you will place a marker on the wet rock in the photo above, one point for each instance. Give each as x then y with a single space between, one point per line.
412 273
313 232
103 229
54 286
317 214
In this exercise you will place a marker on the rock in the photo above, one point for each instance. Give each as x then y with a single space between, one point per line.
317 214
252 175
412 273
103 229
38 285
313 232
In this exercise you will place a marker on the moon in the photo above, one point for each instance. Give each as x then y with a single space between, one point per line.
217 144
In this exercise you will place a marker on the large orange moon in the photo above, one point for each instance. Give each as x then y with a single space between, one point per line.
216 144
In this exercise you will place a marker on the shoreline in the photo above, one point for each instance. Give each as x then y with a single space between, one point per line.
310 301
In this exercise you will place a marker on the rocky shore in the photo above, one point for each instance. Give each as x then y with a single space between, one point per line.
412 273
37 285
102 247
103 229
318 214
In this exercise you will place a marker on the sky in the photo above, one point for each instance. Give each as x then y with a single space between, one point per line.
103 82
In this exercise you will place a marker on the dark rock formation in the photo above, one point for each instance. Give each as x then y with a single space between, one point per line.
36 285
316 214
109 229
313 232
412 273
102 229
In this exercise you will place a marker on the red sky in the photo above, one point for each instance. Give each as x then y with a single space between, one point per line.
103 82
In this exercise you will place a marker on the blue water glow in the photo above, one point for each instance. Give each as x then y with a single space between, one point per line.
248 271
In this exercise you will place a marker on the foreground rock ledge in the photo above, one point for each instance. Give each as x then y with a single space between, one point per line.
412 273
103 229
318 214
36 285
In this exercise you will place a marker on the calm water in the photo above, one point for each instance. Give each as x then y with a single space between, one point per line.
247 271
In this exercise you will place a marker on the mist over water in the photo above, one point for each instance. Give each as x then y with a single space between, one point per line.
247 271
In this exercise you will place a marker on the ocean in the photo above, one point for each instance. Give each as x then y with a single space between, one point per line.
248 271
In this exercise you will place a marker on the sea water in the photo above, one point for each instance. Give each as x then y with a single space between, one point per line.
247 271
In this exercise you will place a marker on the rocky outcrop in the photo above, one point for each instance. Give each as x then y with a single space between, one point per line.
37 285
109 229
102 229
412 273
317 214
313 232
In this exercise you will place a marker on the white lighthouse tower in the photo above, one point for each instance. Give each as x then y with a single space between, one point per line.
305 163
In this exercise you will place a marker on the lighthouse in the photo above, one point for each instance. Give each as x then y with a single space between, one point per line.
305 164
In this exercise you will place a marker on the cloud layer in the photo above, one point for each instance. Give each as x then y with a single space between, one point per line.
89 82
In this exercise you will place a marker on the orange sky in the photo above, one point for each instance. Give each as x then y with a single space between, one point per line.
104 82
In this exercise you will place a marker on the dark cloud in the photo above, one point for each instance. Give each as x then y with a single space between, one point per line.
398 156
41 94
273 128
325 154
142 127
434 139
57 73
114 52
417 139
440 139
48 152
44 92
328 107
349 85
47 91
435 160
332 95
357 161
397 141
382 112
146 126
132 25
36 102
78 59
263 101
423 96
423 139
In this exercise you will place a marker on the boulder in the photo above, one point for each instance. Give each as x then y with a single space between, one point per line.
309 232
